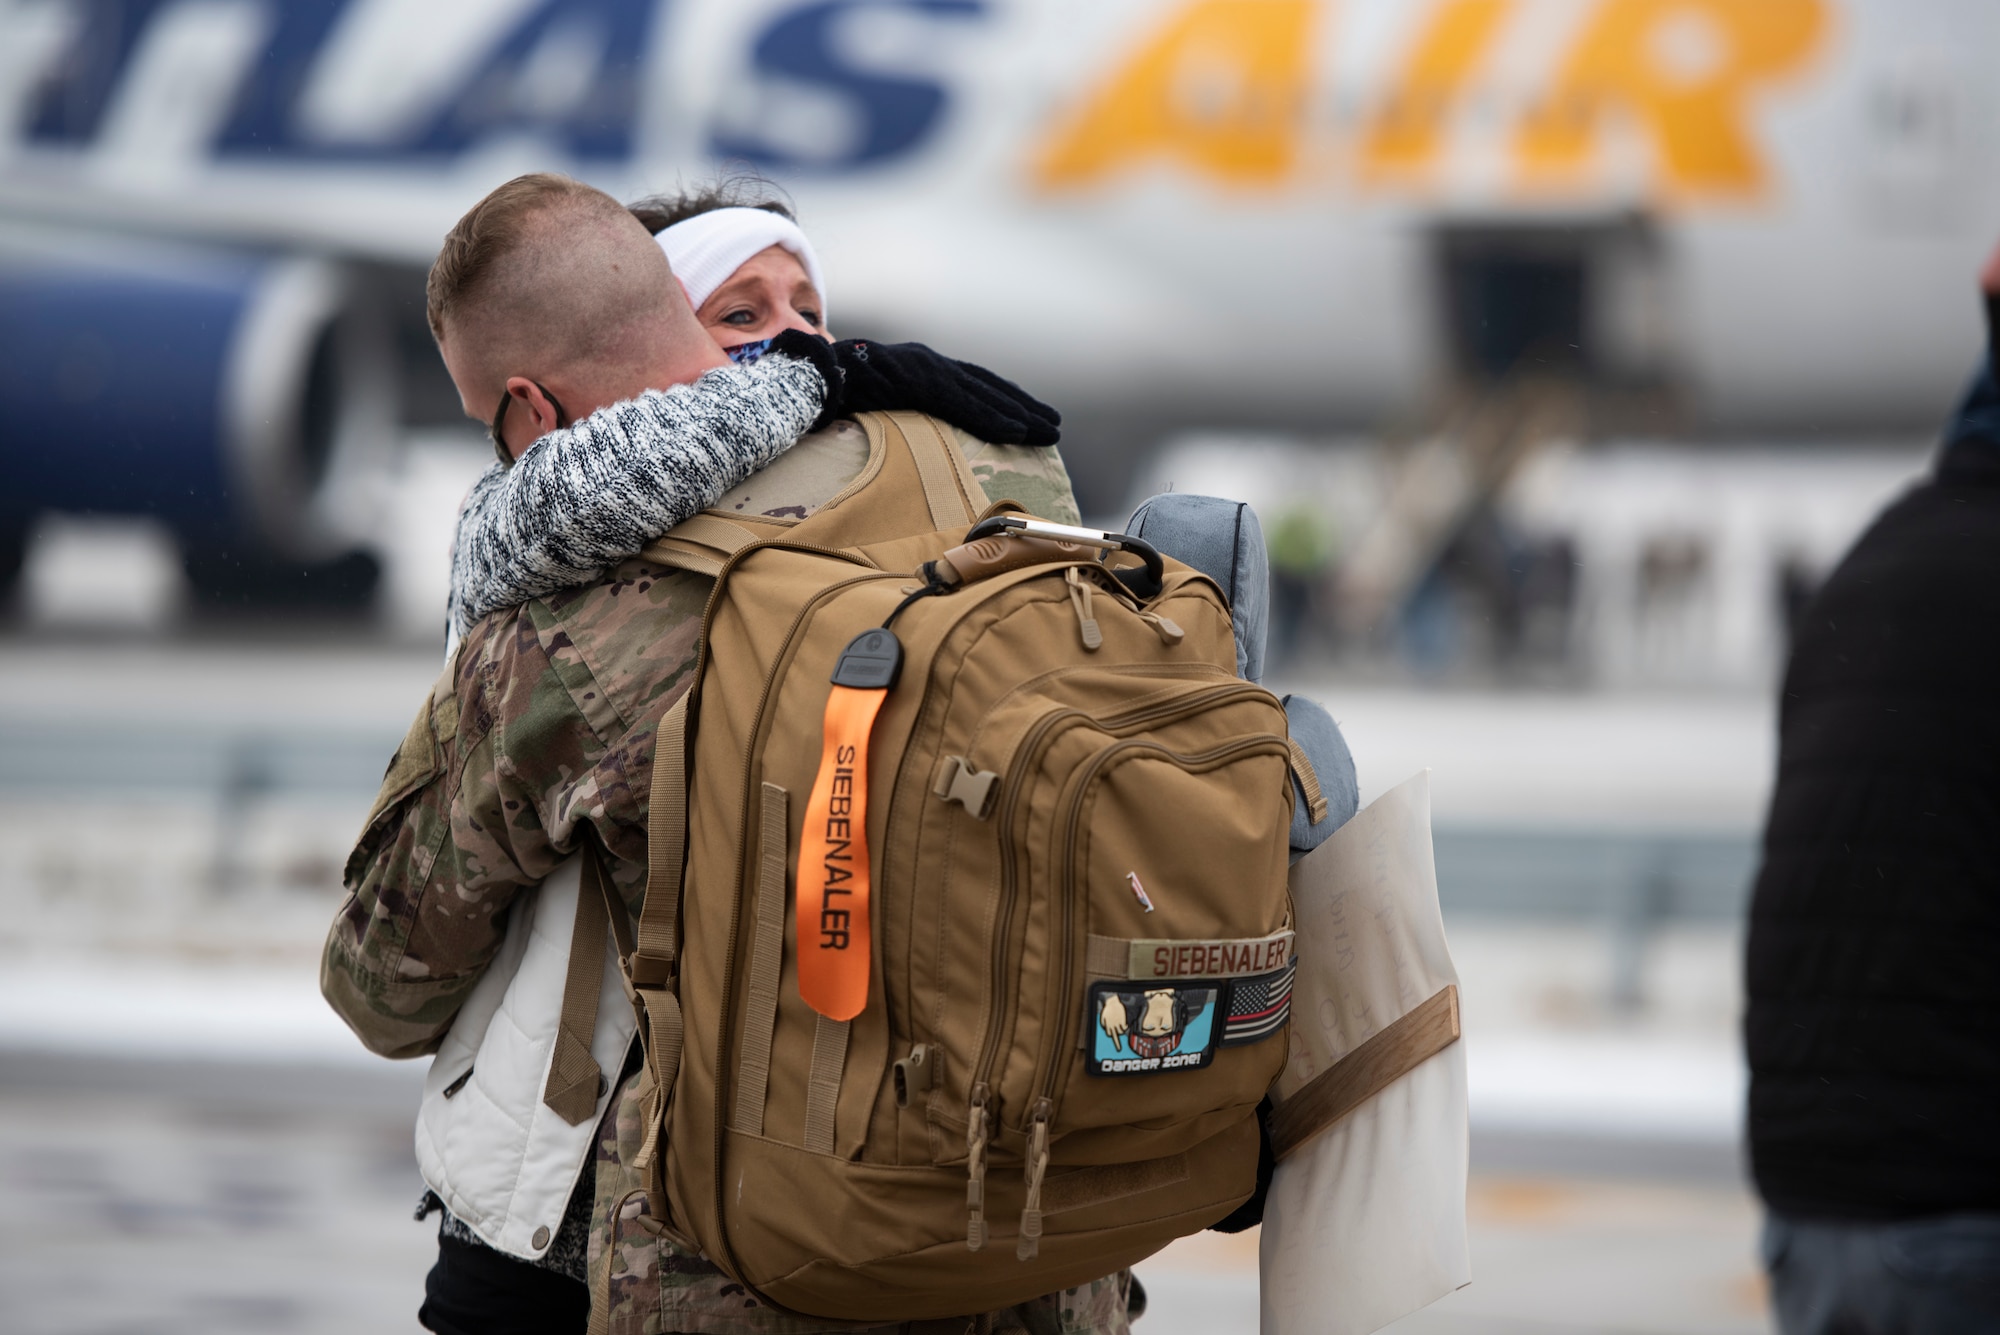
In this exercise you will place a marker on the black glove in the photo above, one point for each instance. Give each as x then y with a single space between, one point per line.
882 376
862 376
801 346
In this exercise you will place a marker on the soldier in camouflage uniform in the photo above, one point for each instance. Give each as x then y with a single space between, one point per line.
540 736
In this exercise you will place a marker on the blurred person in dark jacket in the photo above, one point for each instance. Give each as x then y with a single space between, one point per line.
1873 1026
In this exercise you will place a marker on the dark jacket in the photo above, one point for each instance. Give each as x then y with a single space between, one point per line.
1873 1026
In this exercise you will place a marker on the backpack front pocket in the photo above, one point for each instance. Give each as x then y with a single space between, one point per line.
1163 923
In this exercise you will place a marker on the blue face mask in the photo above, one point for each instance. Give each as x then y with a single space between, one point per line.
745 353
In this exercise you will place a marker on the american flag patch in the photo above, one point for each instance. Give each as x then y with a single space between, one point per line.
1258 1006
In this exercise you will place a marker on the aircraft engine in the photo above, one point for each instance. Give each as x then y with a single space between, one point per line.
223 393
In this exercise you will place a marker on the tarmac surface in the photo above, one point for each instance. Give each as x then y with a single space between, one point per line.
191 1142
171 1197
175 1198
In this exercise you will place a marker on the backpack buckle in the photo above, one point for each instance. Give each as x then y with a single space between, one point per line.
913 1074
970 788
651 970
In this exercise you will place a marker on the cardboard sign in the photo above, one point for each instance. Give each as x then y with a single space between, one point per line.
1365 1222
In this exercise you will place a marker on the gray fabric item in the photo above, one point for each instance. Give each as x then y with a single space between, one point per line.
1223 540
1937 1275
595 492
1332 762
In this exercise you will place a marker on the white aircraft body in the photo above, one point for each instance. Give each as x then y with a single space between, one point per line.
1747 217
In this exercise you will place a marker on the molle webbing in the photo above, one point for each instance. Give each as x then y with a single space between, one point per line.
1081 1188
829 1059
767 950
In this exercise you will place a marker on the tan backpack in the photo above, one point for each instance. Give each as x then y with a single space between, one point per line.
1047 990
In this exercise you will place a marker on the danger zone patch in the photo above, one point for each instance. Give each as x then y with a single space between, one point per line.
1142 1028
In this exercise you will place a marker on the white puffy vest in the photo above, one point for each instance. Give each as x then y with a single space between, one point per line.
496 1155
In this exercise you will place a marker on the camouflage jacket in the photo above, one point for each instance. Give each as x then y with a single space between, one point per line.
538 737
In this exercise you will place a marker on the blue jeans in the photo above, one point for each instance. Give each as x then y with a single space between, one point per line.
1933 1276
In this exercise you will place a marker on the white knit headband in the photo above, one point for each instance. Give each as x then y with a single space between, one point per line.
706 249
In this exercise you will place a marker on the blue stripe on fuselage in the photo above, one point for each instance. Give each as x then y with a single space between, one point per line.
505 94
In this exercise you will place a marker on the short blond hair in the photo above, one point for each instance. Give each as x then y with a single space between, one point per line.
489 231
549 271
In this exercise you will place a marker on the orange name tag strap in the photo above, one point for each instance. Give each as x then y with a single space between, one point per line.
832 920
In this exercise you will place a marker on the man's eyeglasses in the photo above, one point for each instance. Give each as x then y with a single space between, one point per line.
500 449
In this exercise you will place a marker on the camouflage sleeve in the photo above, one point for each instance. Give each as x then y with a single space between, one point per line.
486 796
1029 476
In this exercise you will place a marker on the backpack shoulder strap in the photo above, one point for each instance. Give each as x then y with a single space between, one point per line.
575 1082
916 480
652 968
703 543
651 965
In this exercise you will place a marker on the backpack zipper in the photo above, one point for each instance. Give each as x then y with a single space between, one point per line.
1086 618
1200 762
1025 758
1029 1242
977 1128
1065 1020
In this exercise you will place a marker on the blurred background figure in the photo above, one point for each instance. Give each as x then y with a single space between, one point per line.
1562 346
1874 1012
1301 549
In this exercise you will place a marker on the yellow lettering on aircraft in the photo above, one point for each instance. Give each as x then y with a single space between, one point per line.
1405 133
1220 88
1683 70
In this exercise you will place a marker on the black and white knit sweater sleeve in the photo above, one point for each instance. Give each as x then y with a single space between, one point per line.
590 495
